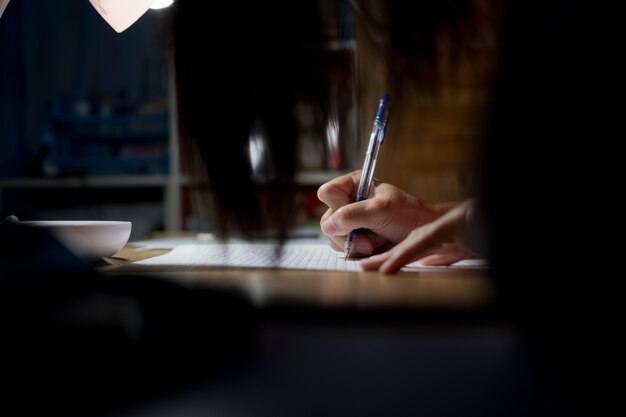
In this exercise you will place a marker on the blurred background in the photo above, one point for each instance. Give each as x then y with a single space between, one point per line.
86 128
83 116
87 133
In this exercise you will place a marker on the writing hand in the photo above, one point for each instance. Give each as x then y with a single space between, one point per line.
436 243
390 214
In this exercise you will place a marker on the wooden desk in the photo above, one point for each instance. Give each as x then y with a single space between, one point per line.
343 343
284 342
443 289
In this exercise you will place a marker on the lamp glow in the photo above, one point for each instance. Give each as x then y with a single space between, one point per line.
161 4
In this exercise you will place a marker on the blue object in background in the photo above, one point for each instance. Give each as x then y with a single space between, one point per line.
65 49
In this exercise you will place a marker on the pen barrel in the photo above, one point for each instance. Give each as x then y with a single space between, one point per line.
369 164
367 174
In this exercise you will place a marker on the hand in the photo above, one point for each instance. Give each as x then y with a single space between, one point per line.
390 214
437 243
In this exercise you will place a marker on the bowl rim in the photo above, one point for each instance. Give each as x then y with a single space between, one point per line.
74 223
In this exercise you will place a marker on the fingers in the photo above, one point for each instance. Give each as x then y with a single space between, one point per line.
390 212
336 194
366 214
410 249
362 245
334 224
336 241
447 256
337 244
417 244
326 215
374 262
368 243
339 191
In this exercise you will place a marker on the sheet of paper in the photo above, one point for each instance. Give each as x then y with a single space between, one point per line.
174 242
267 255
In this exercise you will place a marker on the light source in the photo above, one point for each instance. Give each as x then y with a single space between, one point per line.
120 14
161 4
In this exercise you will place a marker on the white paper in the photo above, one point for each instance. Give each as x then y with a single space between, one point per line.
298 235
266 255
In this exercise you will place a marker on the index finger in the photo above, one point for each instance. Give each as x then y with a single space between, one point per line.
417 244
340 191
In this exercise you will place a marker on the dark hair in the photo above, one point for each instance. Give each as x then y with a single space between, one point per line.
242 70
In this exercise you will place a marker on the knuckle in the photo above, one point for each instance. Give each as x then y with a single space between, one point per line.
383 210
339 217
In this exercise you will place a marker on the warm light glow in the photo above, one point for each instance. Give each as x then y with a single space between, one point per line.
160 4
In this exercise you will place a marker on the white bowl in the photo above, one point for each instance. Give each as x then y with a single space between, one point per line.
90 239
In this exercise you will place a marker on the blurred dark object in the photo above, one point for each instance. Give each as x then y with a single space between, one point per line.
11 219
78 343
33 251
550 179
263 75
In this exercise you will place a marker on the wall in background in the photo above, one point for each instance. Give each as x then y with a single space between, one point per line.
65 74
63 51
434 136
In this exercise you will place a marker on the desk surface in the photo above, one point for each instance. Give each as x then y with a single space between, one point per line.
438 289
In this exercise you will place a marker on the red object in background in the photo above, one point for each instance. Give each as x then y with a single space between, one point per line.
310 208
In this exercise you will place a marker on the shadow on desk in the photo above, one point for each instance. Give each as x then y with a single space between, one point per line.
77 342
138 346
144 347
80 345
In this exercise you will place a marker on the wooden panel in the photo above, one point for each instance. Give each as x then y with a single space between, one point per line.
434 134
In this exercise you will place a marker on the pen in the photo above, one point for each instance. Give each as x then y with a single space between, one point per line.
365 184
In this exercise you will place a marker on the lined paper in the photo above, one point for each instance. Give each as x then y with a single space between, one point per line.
268 255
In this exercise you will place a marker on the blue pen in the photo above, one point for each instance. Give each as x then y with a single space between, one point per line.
367 175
